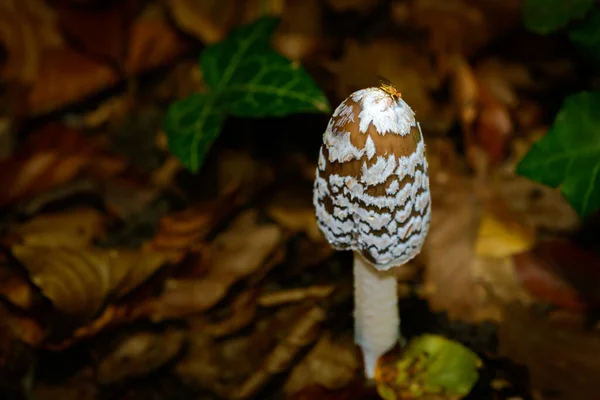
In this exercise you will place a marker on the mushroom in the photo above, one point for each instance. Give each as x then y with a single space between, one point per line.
371 196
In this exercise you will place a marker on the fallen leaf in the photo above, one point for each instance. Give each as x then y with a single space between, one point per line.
299 34
240 250
139 354
560 273
208 21
152 41
277 298
332 363
77 227
27 27
493 127
66 76
98 31
49 158
502 232
561 360
79 281
303 333
182 230
241 313
430 366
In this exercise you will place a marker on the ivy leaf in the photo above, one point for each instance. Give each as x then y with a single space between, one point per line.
545 16
431 366
245 78
192 125
252 80
587 34
568 156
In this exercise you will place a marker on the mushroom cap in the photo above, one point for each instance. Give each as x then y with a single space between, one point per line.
371 191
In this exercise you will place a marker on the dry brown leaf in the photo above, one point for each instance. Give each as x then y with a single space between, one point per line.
236 253
540 206
331 363
493 129
561 273
294 295
26 27
152 41
75 228
223 364
299 34
79 281
303 333
140 354
98 31
457 279
241 313
209 21
560 359
65 76
51 157
449 283
180 231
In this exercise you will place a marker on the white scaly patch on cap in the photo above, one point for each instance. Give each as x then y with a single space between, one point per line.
384 112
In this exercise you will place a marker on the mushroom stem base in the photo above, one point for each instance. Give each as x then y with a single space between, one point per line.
376 314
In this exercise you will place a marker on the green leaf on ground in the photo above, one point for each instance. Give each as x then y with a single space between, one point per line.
431 366
568 156
587 34
245 78
545 16
192 124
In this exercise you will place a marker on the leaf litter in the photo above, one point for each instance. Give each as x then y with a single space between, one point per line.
218 284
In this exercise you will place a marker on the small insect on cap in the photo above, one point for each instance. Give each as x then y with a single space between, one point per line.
371 191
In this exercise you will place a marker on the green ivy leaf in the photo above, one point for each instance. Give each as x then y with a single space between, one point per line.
246 78
192 124
568 156
431 366
545 16
252 80
587 34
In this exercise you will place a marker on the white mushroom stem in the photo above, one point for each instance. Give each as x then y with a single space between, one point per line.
376 314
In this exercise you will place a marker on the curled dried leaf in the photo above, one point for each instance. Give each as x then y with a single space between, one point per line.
209 21
331 363
152 41
26 28
294 295
139 354
66 76
243 248
303 333
79 281
51 157
74 228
